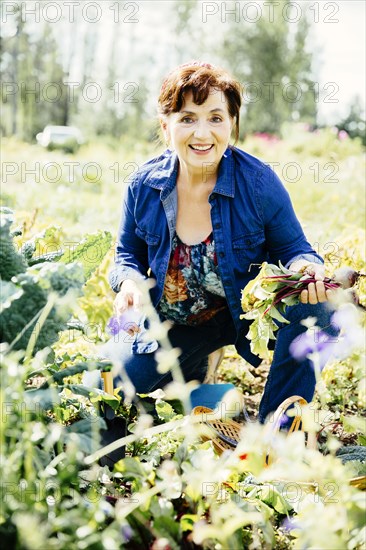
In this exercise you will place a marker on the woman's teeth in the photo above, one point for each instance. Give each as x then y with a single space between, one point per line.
201 147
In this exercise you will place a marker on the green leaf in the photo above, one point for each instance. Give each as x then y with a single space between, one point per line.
164 410
45 246
353 423
271 496
89 252
59 375
361 440
181 454
46 398
187 522
86 425
131 467
168 528
275 314
258 296
9 293
286 271
291 300
51 257
139 520
358 468
7 215
260 331
352 452
87 432
272 287
161 507
94 394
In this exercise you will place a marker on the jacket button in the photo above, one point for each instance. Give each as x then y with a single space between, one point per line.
222 254
217 226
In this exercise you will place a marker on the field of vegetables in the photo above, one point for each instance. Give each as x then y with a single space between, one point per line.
172 490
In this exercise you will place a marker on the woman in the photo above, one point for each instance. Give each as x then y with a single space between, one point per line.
199 220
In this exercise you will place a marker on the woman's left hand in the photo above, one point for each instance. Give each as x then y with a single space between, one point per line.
316 292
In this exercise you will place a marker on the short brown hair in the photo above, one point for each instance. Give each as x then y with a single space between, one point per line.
199 78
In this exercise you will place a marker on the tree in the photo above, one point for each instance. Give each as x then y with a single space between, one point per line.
184 10
354 123
35 93
10 47
270 58
50 104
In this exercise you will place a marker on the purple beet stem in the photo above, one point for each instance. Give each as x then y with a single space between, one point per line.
288 290
277 276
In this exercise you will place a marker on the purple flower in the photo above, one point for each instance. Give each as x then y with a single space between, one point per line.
123 321
126 532
113 326
313 341
336 347
346 318
289 524
284 420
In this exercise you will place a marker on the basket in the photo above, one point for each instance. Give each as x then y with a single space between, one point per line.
273 424
226 434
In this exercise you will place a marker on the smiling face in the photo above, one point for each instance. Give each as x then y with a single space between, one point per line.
199 134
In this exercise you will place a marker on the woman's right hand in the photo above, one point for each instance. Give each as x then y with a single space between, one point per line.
128 297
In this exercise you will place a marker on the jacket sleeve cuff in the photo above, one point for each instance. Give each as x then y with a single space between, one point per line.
311 258
121 273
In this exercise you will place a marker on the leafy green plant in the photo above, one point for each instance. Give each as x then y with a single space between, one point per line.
29 289
171 490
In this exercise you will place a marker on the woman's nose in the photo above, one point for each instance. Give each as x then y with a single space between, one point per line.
201 130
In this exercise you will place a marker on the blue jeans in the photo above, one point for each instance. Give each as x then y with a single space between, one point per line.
287 377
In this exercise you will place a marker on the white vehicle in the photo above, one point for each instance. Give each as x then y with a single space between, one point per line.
68 138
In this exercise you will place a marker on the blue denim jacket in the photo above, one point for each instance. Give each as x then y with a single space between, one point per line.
252 219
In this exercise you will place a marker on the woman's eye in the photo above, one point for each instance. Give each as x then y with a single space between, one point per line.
190 120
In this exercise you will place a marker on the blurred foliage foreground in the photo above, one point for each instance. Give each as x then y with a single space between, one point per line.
172 490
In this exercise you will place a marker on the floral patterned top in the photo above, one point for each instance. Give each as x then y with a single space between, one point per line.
193 291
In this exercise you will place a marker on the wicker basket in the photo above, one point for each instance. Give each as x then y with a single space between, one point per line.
225 434
273 424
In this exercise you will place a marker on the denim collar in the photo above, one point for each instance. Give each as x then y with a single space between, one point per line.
165 177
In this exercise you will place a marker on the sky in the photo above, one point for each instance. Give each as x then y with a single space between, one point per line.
341 49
